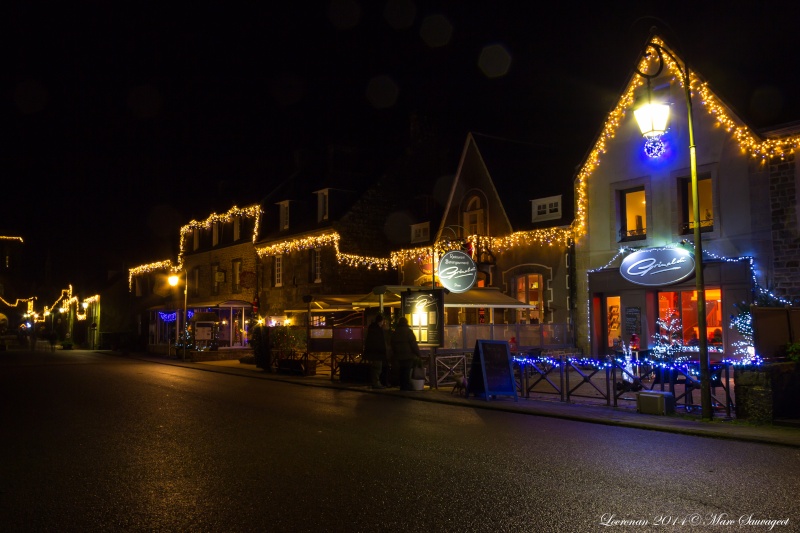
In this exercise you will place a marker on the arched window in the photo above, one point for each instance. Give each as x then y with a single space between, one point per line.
529 290
474 217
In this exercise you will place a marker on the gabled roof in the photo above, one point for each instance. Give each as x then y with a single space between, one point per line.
522 172
709 102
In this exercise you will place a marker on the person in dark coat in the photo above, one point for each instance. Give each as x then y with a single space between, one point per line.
406 350
375 351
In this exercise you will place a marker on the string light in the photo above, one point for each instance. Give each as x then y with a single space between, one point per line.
748 142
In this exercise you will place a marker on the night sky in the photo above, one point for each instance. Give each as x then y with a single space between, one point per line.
126 120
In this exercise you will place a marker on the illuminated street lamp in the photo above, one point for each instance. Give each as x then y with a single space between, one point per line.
174 279
652 119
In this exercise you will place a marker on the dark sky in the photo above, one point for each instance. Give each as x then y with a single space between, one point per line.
129 119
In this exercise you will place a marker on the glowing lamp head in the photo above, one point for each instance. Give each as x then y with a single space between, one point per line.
652 119
173 280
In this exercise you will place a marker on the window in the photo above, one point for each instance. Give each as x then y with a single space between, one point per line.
420 232
284 214
195 238
237 228
633 215
214 233
316 265
677 312
687 205
529 290
474 217
278 264
215 277
236 275
322 205
546 209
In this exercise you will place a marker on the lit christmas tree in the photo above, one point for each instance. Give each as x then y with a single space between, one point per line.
668 339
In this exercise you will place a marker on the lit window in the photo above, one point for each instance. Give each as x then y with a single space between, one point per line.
237 228
215 234
633 215
705 194
529 291
278 271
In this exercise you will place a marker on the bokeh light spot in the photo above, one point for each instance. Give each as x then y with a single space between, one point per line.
494 61
400 14
436 31
344 14
382 92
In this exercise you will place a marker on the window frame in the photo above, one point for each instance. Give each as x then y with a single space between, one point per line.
623 232
548 208
277 270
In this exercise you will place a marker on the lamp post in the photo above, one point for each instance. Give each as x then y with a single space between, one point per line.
652 119
173 280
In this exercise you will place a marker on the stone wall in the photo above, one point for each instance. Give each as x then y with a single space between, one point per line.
785 231
764 394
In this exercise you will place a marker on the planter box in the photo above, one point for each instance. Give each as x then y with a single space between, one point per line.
297 367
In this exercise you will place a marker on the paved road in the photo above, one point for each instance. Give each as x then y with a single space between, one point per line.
92 442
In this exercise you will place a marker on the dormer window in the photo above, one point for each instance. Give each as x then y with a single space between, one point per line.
284 214
237 228
546 209
420 232
195 238
322 205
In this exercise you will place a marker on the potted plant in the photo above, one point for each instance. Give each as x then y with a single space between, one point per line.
417 375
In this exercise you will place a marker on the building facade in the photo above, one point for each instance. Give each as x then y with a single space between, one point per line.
634 229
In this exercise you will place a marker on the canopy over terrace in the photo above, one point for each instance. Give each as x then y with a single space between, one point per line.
475 298
326 303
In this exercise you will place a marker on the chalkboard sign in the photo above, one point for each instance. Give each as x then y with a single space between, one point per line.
633 320
492 371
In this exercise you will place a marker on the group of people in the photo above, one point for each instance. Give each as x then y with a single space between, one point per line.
385 349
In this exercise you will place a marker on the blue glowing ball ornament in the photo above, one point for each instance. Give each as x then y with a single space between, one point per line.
654 147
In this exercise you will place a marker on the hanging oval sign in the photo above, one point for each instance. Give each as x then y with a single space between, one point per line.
657 266
457 271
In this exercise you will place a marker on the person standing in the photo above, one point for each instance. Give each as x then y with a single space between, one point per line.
375 350
406 350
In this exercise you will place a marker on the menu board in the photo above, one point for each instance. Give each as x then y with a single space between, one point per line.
633 320
424 310
492 370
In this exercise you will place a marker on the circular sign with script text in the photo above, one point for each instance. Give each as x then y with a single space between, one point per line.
457 271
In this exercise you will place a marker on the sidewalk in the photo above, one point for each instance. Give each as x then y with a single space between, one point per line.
583 412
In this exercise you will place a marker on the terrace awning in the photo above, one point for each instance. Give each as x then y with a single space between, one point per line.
476 298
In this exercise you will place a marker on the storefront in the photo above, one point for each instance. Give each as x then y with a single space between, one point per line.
232 330
653 296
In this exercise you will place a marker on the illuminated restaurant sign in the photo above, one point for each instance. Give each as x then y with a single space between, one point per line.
657 266
457 271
